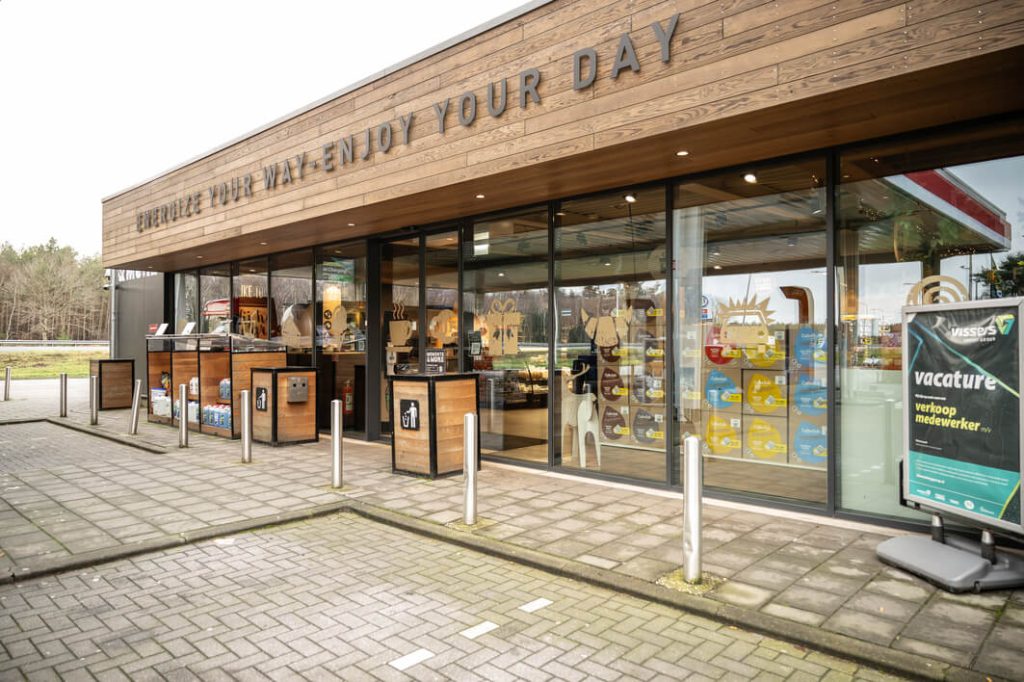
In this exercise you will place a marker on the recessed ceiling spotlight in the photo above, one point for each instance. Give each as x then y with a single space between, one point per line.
480 196
501 273
351 224
750 177
252 269
630 198
682 152
791 242
718 267
199 257
560 213
263 243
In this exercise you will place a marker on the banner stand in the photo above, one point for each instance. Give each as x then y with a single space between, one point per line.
963 372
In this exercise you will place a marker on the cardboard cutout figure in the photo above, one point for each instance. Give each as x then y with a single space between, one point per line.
503 322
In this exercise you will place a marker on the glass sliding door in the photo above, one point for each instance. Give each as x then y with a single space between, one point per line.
750 331
215 299
610 384
341 319
186 302
249 304
441 260
505 296
922 220
400 308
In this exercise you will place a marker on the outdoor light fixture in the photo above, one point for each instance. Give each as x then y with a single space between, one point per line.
715 251
718 267
750 177
606 261
682 152
480 196
263 243
560 213
630 198
351 224
791 241
501 273
199 257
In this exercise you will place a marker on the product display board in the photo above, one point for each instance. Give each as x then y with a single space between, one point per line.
757 390
962 423
427 429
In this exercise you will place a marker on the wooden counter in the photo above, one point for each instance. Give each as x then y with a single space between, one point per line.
427 422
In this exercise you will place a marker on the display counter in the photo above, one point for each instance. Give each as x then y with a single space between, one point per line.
284 405
427 422
116 379
215 368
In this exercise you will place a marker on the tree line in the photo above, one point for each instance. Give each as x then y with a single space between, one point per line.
49 292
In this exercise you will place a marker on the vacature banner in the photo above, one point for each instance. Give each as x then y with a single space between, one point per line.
962 409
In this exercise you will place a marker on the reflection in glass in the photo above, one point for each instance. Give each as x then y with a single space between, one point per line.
611 389
291 287
186 301
400 304
923 221
215 299
249 298
750 327
341 332
506 330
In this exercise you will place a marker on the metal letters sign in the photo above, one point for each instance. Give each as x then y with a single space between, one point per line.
962 409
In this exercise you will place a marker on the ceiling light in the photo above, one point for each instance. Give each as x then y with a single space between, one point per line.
199 257
606 261
560 213
351 224
263 243
252 270
630 198
718 267
791 241
715 251
682 152
479 196
750 177
501 273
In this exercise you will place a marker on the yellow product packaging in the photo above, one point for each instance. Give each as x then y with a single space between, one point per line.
766 439
765 393
770 355
722 435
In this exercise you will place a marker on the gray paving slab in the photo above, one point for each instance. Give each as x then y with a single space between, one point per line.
71 494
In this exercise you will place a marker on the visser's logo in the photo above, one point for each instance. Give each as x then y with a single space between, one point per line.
973 332
1005 323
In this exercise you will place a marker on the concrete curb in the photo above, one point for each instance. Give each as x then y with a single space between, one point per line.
93 431
43 567
874 655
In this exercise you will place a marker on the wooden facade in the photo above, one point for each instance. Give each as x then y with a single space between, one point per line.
745 80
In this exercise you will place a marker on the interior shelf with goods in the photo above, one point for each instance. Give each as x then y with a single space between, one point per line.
215 368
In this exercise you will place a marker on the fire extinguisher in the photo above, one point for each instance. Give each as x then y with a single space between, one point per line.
348 398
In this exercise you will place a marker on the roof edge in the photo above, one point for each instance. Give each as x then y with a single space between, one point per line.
408 61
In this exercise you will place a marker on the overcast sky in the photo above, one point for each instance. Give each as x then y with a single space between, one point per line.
98 96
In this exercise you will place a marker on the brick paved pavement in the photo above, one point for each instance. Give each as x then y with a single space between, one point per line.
345 598
802 569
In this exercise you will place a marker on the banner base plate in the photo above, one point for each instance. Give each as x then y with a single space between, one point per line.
956 566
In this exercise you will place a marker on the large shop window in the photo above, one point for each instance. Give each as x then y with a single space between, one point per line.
610 385
341 332
215 299
750 327
249 304
505 295
291 305
442 295
400 307
186 302
920 220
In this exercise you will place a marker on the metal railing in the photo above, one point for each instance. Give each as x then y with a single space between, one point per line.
51 343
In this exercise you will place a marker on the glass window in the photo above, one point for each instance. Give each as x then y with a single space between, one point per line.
341 332
249 298
442 295
505 276
611 389
925 219
186 302
750 328
291 305
400 305
215 299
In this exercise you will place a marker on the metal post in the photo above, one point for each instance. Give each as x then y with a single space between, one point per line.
336 453
246 428
988 546
7 383
133 418
693 485
469 467
938 530
63 394
94 400
182 416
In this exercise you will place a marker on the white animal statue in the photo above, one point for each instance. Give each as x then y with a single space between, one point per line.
579 415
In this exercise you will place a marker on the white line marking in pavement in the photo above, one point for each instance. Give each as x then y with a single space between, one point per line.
477 630
409 660
536 605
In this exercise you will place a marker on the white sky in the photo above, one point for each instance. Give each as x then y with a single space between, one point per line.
98 96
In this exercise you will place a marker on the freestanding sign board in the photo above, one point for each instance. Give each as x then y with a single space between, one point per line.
962 410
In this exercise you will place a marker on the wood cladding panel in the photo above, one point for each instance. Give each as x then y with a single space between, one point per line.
454 399
296 421
241 377
115 382
263 420
731 60
184 366
412 448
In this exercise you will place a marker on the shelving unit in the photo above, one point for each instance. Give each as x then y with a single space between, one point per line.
209 359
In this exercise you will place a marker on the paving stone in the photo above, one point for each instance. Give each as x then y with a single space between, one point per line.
863 626
742 594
